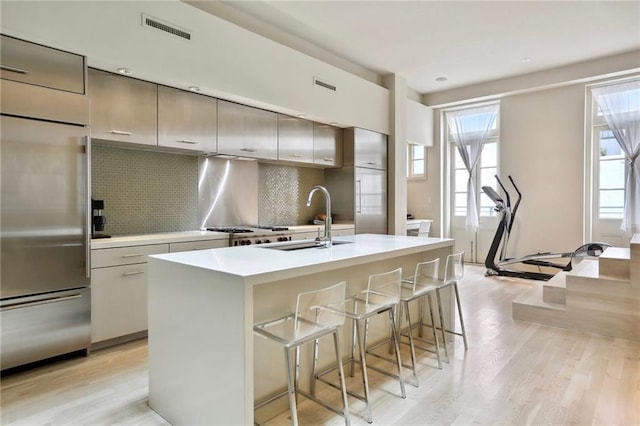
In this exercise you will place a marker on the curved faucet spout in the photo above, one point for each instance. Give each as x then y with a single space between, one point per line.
326 239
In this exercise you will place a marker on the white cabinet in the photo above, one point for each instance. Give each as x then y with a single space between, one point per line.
119 287
123 109
327 145
119 290
187 120
246 131
295 139
419 123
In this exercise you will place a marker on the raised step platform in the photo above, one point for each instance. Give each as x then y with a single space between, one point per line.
615 263
600 296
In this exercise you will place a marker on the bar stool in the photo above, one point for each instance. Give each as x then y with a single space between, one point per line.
318 313
453 272
382 295
421 286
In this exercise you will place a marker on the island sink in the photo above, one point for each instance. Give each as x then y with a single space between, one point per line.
299 245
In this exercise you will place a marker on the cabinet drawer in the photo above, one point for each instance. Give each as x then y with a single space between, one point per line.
198 245
41 66
118 301
125 255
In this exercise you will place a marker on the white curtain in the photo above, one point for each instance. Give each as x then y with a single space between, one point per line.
620 105
470 129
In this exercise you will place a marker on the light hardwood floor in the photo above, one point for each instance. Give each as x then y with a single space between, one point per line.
514 373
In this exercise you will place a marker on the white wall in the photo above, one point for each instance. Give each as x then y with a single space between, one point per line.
225 60
542 147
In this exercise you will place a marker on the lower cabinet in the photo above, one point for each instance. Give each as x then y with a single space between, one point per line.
119 288
119 301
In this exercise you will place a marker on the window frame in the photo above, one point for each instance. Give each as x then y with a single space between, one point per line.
411 160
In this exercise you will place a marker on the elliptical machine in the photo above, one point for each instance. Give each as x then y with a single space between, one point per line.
501 240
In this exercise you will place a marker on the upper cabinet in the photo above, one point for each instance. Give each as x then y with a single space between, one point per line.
419 123
186 120
32 63
364 148
247 132
295 139
123 109
327 145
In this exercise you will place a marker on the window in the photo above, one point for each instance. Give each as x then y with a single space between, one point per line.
417 162
610 164
485 171
611 179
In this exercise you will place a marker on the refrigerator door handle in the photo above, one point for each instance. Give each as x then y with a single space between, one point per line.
40 302
89 219
359 196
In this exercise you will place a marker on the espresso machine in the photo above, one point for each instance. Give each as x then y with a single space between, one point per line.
99 220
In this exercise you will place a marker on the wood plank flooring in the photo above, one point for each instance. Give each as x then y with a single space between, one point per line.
514 373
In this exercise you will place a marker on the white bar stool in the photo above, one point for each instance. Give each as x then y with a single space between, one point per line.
382 295
453 272
318 313
421 286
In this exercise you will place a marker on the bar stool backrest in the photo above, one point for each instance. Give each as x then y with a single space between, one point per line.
322 308
454 268
384 288
426 274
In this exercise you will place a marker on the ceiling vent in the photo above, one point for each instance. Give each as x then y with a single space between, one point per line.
155 23
322 83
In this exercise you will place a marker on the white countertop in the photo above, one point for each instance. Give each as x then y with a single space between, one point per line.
178 237
258 264
159 238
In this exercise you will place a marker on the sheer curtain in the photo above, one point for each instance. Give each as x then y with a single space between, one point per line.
620 106
470 129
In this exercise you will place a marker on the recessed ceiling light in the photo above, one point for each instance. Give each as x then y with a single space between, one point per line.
333 123
526 59
125 71
194 88
302 115
441 79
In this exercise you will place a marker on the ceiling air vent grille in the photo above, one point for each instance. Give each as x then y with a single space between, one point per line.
326 85
151 22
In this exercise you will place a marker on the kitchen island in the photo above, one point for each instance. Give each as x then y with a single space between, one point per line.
205 367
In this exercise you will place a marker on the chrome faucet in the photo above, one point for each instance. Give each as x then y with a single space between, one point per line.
325 241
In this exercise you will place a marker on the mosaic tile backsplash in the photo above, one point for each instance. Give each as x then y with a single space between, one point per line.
283 192
148 191
145 191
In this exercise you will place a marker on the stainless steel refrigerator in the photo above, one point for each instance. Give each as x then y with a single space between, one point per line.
359 188
45 302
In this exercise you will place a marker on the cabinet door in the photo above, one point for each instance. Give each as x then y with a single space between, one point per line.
123 109
41 66
118 301
370 149
295 139
247 131
186 120
327 145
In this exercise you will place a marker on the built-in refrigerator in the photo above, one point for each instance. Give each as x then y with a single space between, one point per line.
45 302
359 188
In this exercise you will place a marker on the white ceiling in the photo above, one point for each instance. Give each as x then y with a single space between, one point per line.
465 41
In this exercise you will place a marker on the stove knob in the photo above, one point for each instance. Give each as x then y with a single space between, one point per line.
267 241
259 241
248 242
